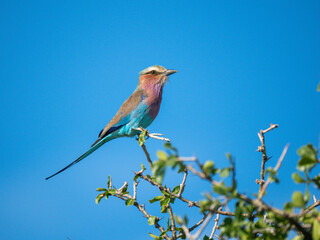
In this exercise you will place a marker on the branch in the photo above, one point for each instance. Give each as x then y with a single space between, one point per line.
140 207
173 225
201 175
262 149
289 216
187 159
135 184
183 182
264 186
204 224
147 155
215 224
308 209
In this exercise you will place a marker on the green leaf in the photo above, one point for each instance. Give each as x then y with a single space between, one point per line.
155 199
208 166
162 155
308 150
308 158
129 202
172 161
135 178
169 146
176 189
162 234
142 166
164 209
297 178
204 205
178 220
299 237
142 138
98 198
297 199
225 172
316 230
228 155
124 190
316 180
152 220
155 237
108 183
185 220
318 88
112 191
221 189
165 201
306 163
288 207
206 238
306 196
101 189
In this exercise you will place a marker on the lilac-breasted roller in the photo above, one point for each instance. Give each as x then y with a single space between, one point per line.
139 110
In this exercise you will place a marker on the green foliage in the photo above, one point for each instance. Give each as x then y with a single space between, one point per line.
316 229
297 200
152 220
142 137
297 178
129 202
250 219
308 158
165 160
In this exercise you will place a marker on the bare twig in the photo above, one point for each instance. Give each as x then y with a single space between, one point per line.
147 155
135 184
186 231
183 182
187 159
110 183
201 175
308 209
215 224
265 158
119 191
203 225
198 223
173 225
264 187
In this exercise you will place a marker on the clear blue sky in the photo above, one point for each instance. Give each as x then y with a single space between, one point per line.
66 67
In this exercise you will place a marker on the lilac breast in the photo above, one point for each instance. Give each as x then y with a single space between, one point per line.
154 99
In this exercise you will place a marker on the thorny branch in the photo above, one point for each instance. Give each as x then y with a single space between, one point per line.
264 187
292 218
263 150
140 207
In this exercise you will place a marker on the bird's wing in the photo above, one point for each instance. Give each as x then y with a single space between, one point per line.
122 117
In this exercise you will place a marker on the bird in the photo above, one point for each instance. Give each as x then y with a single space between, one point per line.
138 111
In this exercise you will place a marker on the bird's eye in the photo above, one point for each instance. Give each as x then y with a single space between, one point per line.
153 72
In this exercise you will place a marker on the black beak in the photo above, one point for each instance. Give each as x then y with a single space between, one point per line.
169 72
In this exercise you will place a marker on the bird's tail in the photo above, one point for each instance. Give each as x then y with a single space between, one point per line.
87 153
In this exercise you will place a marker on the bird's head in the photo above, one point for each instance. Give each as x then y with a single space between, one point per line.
155 75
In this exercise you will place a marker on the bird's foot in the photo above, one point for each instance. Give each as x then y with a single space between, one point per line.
152 135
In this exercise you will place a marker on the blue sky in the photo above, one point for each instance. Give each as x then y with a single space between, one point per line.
66 67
